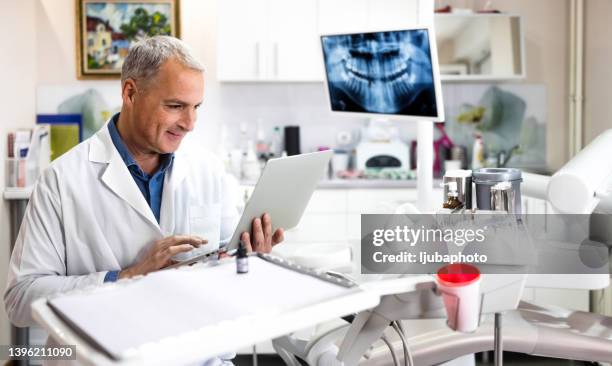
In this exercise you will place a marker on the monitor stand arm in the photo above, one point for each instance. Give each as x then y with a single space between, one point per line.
425 159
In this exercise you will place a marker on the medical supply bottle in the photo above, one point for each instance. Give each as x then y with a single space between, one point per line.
242 259
478 153
453 197
251 169
276 145
261 146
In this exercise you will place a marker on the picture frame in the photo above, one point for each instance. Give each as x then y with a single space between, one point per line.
105 29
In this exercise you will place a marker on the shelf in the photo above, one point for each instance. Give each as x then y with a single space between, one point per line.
17 193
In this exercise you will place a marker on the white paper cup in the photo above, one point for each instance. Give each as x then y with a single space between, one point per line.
459 285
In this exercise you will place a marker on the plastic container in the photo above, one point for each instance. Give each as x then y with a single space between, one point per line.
486 178
478 153
459 285
20 172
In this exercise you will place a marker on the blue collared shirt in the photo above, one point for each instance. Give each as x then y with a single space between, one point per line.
151 185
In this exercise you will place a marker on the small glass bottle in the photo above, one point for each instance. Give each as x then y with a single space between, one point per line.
242 259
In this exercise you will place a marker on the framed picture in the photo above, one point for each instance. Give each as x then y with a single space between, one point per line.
105 29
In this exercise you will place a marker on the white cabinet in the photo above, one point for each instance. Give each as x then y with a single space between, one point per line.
268 40
392 14
295 50
342 16
240 39
334 215
278 40
346 16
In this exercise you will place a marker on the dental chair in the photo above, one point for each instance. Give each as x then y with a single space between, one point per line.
368 339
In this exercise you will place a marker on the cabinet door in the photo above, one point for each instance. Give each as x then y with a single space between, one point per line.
342 16
240 40
294 45
392 14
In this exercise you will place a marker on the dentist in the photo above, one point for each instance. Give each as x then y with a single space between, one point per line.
121 203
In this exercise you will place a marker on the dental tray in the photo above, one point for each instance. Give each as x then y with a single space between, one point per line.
193 313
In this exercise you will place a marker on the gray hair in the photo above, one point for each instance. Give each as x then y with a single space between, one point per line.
147 56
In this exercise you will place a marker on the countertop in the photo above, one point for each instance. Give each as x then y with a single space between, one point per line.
362 184
24 193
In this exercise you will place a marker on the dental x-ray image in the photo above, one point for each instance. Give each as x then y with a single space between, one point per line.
381 72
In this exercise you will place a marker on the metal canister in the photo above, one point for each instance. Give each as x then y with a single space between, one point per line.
502 197
463 178
486 178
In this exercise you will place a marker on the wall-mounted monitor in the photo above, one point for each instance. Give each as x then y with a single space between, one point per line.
393 73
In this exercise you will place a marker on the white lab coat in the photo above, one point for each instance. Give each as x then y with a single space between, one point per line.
86 216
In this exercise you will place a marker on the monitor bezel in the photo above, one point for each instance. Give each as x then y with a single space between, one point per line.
433 49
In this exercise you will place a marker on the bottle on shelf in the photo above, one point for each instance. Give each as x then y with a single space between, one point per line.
276 145
478 153
261 147
250 164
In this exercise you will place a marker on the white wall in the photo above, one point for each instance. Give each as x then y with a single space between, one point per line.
18 76
597 71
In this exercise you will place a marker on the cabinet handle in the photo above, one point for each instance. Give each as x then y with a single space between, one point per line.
275 58
257 66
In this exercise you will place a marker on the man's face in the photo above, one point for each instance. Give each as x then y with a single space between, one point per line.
164 109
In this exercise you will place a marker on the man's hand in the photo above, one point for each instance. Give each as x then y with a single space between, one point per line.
261 233
161 253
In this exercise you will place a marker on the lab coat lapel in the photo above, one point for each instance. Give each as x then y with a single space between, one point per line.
174 177
117 176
